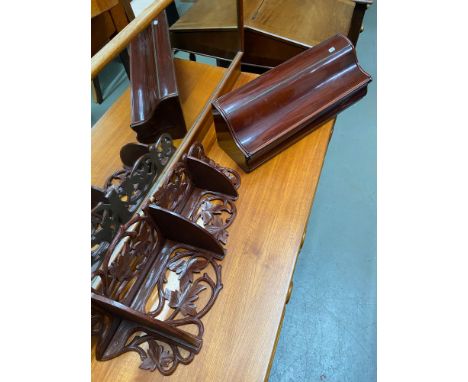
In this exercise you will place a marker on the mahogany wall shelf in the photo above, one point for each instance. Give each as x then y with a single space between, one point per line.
255 122
161 274
155 99
124 190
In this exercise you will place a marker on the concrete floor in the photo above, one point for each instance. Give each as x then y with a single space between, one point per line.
329 329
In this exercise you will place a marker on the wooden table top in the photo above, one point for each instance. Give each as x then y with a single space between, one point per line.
242 327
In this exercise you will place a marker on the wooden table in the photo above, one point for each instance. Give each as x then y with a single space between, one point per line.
242 328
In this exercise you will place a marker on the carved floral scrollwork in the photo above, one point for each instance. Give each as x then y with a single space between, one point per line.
188 267
215 213
124 191
118 273
175 191
157 355
169 282
197 273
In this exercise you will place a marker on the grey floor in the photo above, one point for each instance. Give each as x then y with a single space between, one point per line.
329 329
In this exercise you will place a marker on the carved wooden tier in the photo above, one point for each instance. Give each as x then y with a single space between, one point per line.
255 122
123 191
155 107
161 274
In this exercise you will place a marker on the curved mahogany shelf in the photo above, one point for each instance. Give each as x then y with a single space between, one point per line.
178 228
208 177
156 327
258 120
155 107
131 152
161 273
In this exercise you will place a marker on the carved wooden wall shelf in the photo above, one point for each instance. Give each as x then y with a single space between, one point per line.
155 104
258 120
115 203
161 274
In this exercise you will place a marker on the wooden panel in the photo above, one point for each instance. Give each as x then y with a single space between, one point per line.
100 6
304 21
119 16
242 327
196 81
209 14
102 28
220 43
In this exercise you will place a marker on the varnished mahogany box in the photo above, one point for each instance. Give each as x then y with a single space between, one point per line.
256 121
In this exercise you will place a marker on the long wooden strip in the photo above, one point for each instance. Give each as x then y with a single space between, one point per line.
123 38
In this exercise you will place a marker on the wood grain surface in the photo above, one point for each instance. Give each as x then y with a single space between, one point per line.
305 22
196 81
308 22
100 6
242 327
205 14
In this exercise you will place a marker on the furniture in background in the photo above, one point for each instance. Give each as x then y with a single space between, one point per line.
276 30
108 17
273 30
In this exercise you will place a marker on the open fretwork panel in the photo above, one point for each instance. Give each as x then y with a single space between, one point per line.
162 272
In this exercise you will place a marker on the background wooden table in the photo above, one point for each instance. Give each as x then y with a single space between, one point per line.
242 328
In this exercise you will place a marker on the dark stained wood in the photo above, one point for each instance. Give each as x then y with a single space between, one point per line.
179 229
173 255
266 50
205 176
357 19
255 122
223 43
151 326
209 27
155 100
